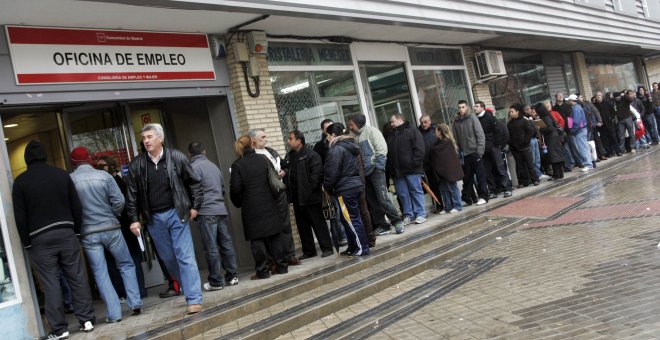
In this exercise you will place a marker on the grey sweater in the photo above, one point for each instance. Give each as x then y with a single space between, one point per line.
469 134
214 199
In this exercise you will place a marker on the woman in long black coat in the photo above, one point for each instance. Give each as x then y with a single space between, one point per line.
249 189
552 142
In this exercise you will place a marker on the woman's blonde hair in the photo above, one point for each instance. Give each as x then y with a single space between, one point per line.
445 131
242 144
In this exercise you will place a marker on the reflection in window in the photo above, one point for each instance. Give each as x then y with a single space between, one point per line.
306 98
439 92
610 73
388 90
525 83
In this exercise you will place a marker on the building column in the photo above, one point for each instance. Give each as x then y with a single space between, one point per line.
652 66
260 112
582 75
480 91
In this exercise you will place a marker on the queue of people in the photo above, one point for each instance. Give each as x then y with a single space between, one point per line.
340 192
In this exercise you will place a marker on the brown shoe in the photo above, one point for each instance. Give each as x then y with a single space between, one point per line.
294 262
260 277
194 309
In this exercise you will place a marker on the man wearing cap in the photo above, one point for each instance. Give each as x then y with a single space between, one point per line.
102 203
48 216
163 187
579 132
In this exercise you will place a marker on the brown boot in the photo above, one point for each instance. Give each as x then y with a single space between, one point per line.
194 309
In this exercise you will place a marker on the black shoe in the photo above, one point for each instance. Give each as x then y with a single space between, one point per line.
280 271
169 293
294 261
306 256
260 276
536 183
327 253
508 194
68 309
112 321
136 311
492 196
346 252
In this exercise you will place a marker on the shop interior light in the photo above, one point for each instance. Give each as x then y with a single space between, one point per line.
11 125
323 81
6 139
294 88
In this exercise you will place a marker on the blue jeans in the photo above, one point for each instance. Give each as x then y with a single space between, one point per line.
215 233
411 194
174 244
451 195
536 156
651 127
114 242
583 147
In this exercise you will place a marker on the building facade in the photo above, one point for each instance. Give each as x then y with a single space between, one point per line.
212 70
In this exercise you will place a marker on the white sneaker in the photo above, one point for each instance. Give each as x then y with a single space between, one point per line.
453 211
233 281
420 219
86 327
544 176
481 201
406 221
443 212
53 336
585 169
207 287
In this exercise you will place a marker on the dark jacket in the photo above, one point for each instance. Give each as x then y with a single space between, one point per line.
647 103
405 151
551 139
565 111
490 127
623 109
445 162
342 174
184 183
44 198
429 138
321 147
304 176
249 190
520 133
607 112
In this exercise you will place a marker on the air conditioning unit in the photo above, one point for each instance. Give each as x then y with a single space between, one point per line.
490 63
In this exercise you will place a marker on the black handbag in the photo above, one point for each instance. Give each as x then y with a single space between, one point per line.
274 181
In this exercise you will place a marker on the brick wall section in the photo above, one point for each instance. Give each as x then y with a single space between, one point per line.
583 83
653 70
259 112
479 91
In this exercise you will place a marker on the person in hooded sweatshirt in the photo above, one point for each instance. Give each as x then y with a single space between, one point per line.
48 217
343 179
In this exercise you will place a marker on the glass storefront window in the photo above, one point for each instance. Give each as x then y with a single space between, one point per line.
611 73
526 82
387 90
439 92
305 98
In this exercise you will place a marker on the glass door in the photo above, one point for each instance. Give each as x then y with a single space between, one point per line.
387 91
102 129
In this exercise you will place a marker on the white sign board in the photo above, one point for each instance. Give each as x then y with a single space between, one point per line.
46 55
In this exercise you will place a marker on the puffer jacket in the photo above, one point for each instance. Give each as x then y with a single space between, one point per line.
373 147
469 134
342 174
184 182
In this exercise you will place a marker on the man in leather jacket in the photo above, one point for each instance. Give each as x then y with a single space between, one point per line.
163 187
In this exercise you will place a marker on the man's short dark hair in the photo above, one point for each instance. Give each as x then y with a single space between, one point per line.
480 103
326 121
463 101
631 91
195 148
400 116
297 134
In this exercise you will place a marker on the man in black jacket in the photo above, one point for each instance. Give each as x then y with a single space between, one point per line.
303 184
625 118
608 129
498 175
427 129
163 187
48 217
405 157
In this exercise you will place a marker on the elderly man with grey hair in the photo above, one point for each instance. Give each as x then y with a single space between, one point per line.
164 189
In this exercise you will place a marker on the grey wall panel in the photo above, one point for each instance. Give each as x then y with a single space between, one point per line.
653 9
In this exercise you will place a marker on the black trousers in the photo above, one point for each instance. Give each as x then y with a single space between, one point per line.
275 247
286 220
558 170
309 218
54 250
496 171
473 167
365 215
525 167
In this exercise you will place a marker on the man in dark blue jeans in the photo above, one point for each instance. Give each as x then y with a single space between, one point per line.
213 221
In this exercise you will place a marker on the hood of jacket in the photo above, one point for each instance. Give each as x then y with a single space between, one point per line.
35 152
346 142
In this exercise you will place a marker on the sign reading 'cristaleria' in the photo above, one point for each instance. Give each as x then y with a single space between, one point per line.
45 55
